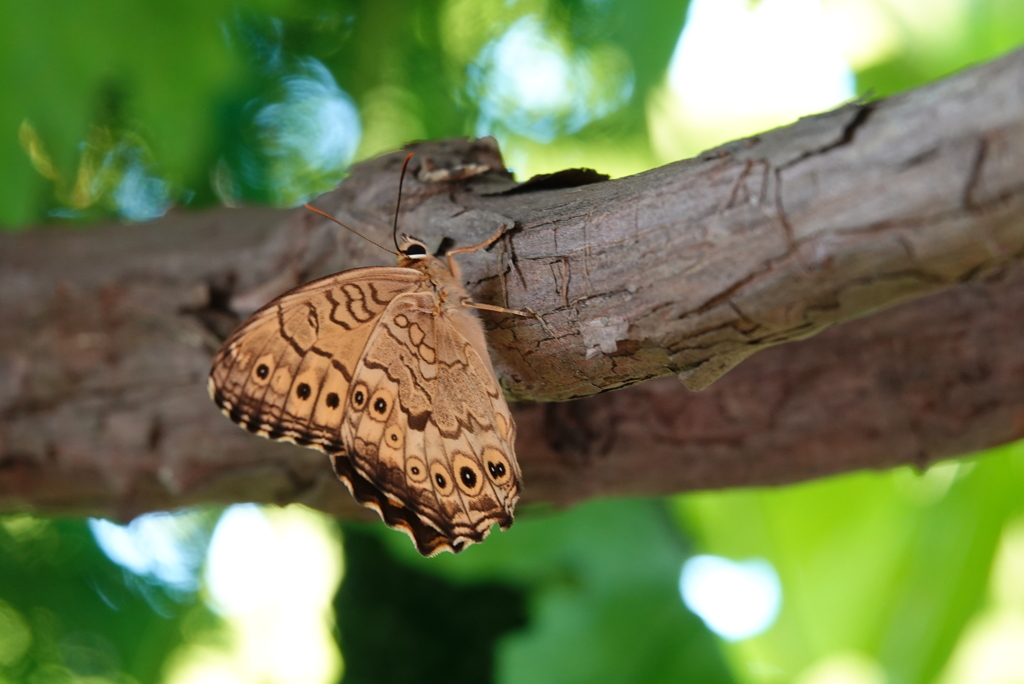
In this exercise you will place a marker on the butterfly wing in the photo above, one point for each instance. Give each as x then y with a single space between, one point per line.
427 425
295 368
285 372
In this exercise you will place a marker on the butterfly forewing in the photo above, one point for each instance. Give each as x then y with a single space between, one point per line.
285 372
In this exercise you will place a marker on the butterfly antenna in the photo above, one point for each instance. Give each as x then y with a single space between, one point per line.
328 216
398 204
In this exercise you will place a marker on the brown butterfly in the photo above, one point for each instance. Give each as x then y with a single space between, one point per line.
386 370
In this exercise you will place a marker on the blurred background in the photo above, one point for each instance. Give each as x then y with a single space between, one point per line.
123 109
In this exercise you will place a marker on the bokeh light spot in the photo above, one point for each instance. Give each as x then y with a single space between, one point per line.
140 196
734 57
742 67
165 547
310 135
271 574
531 82
736 600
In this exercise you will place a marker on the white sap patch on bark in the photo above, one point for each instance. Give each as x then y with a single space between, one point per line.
601 335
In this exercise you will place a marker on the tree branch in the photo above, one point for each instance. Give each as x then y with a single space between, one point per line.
687 269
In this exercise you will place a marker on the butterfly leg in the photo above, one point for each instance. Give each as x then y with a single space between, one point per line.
474 248
529 313
499 309
489 307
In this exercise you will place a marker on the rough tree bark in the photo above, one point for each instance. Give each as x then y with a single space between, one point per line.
685 270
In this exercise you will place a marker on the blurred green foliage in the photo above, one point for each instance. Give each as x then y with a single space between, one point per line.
67 611
123 108
891 565
182 87
386 607
601 583
109 99
163 71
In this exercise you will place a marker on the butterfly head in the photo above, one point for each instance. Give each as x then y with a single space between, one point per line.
411 249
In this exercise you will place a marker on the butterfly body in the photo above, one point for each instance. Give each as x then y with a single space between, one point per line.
387 371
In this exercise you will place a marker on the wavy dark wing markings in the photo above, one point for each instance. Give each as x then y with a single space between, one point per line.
428 541
284 373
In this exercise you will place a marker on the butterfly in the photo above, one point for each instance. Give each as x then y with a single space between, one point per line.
386 370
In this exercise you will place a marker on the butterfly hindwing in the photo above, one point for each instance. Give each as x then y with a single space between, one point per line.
427 424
